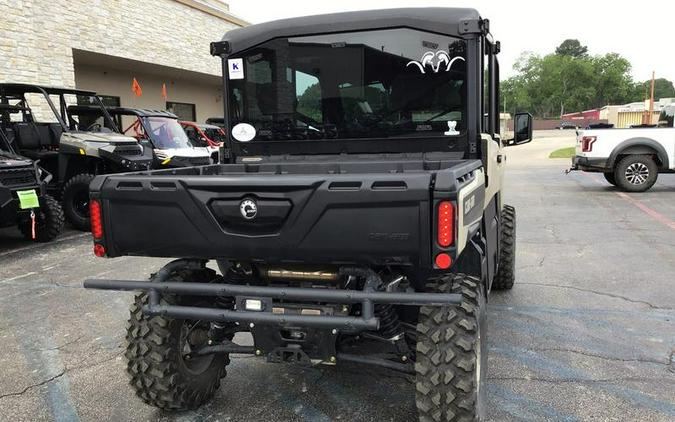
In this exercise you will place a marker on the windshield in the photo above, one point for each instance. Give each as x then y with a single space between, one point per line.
374 84
667 116
86 113
165 133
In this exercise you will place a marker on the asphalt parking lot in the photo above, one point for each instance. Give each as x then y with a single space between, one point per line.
587 333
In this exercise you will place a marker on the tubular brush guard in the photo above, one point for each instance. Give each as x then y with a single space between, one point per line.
367 297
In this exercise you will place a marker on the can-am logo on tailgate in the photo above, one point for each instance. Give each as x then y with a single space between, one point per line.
248 209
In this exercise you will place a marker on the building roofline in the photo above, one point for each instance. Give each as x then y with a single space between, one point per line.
214 11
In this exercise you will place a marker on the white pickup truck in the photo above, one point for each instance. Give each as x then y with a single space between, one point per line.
631 158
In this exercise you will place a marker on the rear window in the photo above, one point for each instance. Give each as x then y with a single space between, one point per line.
396 83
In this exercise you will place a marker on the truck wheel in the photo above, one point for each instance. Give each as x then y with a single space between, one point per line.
506 274
162 371
48 221
609 176
636 173
75 198
451 364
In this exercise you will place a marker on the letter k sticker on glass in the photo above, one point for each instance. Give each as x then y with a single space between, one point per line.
235 68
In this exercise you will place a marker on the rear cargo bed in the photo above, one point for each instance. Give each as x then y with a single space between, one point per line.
357 212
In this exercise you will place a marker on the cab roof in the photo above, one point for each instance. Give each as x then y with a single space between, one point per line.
457 22
140 112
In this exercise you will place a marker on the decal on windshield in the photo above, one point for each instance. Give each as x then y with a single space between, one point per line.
243 132
439 57
235 68
452 124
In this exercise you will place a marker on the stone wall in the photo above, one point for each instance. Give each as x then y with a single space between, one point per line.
37 37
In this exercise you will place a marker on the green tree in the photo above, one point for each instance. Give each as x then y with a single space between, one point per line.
569 80
549 86
613 81
309 103
663 88
571 48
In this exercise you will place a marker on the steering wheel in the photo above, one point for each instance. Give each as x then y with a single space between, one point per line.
94 127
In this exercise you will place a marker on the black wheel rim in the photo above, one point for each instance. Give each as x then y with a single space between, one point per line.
81 203
187 345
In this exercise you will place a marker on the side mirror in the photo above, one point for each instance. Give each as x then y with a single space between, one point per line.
522 129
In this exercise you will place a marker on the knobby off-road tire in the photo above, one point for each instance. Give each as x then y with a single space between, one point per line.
609 176
160 374
48 221
451 366
636 173
506 274
75 199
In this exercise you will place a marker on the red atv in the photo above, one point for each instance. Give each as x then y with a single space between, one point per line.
203 135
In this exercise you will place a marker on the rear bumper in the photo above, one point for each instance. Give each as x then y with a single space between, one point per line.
591 164
367 297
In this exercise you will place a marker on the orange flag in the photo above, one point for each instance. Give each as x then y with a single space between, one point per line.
164 94
136 88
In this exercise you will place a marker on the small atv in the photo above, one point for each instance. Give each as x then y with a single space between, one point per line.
160 132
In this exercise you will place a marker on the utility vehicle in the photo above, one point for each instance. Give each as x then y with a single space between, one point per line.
23 201
632 158
216 121
358 215
72 150
205 135
567 125
160 132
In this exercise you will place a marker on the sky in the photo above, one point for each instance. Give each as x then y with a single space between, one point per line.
639 31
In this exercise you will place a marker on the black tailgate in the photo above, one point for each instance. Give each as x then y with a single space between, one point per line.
374 218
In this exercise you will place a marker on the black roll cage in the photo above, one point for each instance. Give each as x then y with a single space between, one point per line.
19 91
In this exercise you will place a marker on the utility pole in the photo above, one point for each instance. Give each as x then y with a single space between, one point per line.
647 115
651 101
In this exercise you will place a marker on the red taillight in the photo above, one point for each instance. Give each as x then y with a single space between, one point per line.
96 219
99 250
443 261
446 224
587 143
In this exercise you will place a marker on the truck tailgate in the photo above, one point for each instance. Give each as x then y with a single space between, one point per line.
366 212
375 218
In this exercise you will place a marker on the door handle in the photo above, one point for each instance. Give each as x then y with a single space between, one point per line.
500 158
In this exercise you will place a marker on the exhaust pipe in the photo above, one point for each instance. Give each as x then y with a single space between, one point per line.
285 274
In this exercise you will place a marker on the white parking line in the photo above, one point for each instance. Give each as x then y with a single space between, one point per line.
640 205
7 280
42 245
